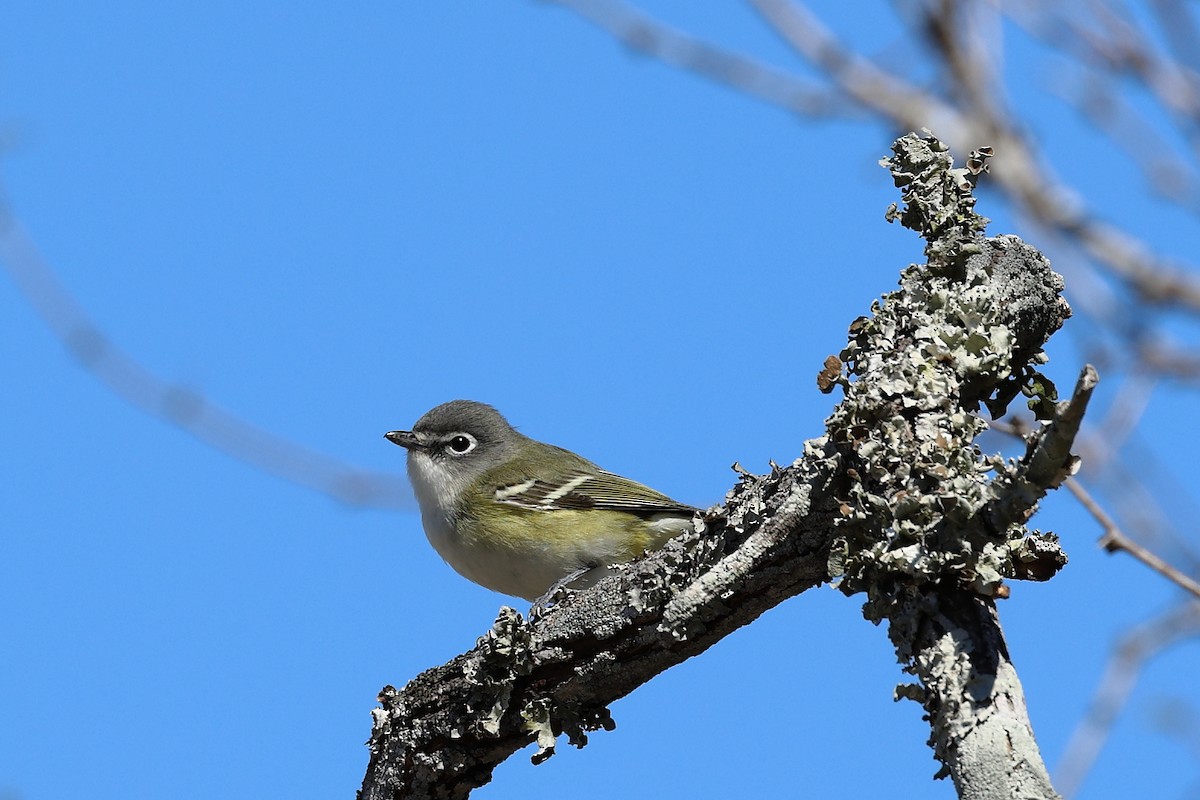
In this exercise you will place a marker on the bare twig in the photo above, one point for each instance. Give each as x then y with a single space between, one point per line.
1050 455
1115 540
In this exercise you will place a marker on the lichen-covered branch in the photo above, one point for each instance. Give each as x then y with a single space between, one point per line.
895 502
930 526
531 680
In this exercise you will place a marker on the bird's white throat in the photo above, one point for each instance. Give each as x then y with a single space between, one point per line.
437 488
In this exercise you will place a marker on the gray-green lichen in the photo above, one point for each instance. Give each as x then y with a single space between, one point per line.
928 525
503 654
939 202
961 332
502 657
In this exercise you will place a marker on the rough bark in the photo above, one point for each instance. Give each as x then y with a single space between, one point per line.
895 502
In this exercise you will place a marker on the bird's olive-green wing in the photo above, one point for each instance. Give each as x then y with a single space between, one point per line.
582 486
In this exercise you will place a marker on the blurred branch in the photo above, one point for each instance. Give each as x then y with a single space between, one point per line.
857 77
1096 99
641 34
977 115
1128 657
178 405
1103 38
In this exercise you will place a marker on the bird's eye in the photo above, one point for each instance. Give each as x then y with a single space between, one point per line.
461 444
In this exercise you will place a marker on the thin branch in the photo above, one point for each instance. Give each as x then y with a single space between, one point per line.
948 24
642 34
1019 173
1178 26
906 106
1167 174
1114 540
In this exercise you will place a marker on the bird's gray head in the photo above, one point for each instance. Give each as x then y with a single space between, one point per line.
452 445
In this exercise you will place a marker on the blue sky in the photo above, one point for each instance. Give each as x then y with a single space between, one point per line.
327 220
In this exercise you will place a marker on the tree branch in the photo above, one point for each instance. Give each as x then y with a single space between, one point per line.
645 35
529 680
894 502
1116 540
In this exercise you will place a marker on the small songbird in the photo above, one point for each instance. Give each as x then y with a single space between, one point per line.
519 516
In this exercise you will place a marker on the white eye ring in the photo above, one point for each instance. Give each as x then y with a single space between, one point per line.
460 444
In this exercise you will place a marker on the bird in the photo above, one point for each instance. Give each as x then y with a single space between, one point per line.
522 517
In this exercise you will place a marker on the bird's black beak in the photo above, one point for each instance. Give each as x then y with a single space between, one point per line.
406 439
